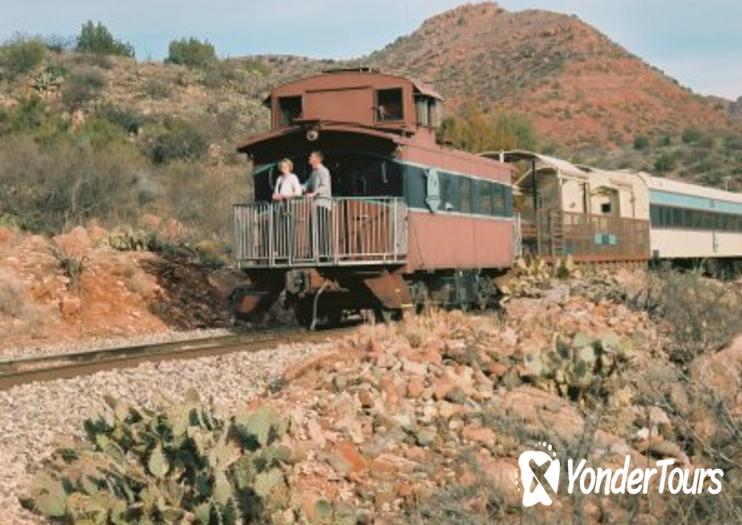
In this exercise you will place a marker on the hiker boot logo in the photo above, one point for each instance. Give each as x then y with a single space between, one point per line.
539 475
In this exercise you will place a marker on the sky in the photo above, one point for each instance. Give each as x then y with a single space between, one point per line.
695 41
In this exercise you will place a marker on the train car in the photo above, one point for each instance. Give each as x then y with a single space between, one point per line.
411 222
693 222
589 214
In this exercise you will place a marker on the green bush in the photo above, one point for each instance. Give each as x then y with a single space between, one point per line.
128 119
82 86
191 52
641 142
477 131
691 135
189 186
156 89
665 162
60 179
98 40
21 55
177 464
179 141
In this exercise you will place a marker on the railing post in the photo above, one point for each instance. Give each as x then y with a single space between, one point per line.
336 229
393 237
271 255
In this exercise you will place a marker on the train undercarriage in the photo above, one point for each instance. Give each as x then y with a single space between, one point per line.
324 296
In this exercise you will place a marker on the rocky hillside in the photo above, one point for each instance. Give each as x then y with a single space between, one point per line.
578 85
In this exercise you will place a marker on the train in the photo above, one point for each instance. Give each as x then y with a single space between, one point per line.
413 222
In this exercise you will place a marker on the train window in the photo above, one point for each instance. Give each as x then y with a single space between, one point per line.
389 104
465 192
421 108
654 215
499 199
485 198
450 192
677 217
289 109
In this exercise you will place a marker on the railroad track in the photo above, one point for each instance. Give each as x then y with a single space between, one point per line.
60 366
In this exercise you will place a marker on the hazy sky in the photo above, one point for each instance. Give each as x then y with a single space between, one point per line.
698 42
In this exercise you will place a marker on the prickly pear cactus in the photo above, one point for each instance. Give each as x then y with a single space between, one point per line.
177 464
579 368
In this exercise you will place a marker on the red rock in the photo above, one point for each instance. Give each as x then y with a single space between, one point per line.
70 306
415 387
442 386
478 434
302 367
496 369
352 456
390 393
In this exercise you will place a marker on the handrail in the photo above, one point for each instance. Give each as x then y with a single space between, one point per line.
338 231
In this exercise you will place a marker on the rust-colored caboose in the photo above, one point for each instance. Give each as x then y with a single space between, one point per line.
411 222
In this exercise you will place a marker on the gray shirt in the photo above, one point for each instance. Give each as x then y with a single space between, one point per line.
319 181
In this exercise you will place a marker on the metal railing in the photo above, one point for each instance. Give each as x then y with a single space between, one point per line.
555 233
304 232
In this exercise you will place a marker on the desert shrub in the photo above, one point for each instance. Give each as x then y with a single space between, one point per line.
21 55
221 73
191 52
665 162
82 86
156 89
691 135
477 131
12 301
98 40
30 115
72 267
58 43
702 314
69 178
179 463
126 118
641 142
189 186
180 140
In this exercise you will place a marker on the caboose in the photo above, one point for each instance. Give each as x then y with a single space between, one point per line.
411 222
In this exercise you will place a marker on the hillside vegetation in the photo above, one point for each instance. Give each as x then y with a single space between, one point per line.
87 131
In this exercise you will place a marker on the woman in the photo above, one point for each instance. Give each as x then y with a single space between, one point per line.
287 187
287 184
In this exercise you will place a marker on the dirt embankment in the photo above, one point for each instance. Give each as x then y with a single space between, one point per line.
76 287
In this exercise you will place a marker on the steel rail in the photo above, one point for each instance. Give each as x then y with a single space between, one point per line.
15 372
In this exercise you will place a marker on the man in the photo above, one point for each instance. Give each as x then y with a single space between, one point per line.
319 188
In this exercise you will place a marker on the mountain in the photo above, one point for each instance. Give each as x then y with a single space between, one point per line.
579 87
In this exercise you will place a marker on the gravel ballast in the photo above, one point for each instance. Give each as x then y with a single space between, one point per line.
33 416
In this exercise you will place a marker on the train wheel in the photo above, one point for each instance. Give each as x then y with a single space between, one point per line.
304 310
387 315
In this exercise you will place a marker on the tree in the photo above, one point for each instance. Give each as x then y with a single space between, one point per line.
641 142
21 55
665 162
191 52
691 135
97 39
477 131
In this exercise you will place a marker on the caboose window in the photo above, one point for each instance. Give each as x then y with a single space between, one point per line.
289 109
389 104
485 198
465 188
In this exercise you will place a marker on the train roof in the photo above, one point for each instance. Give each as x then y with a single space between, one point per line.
369 76
684 188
